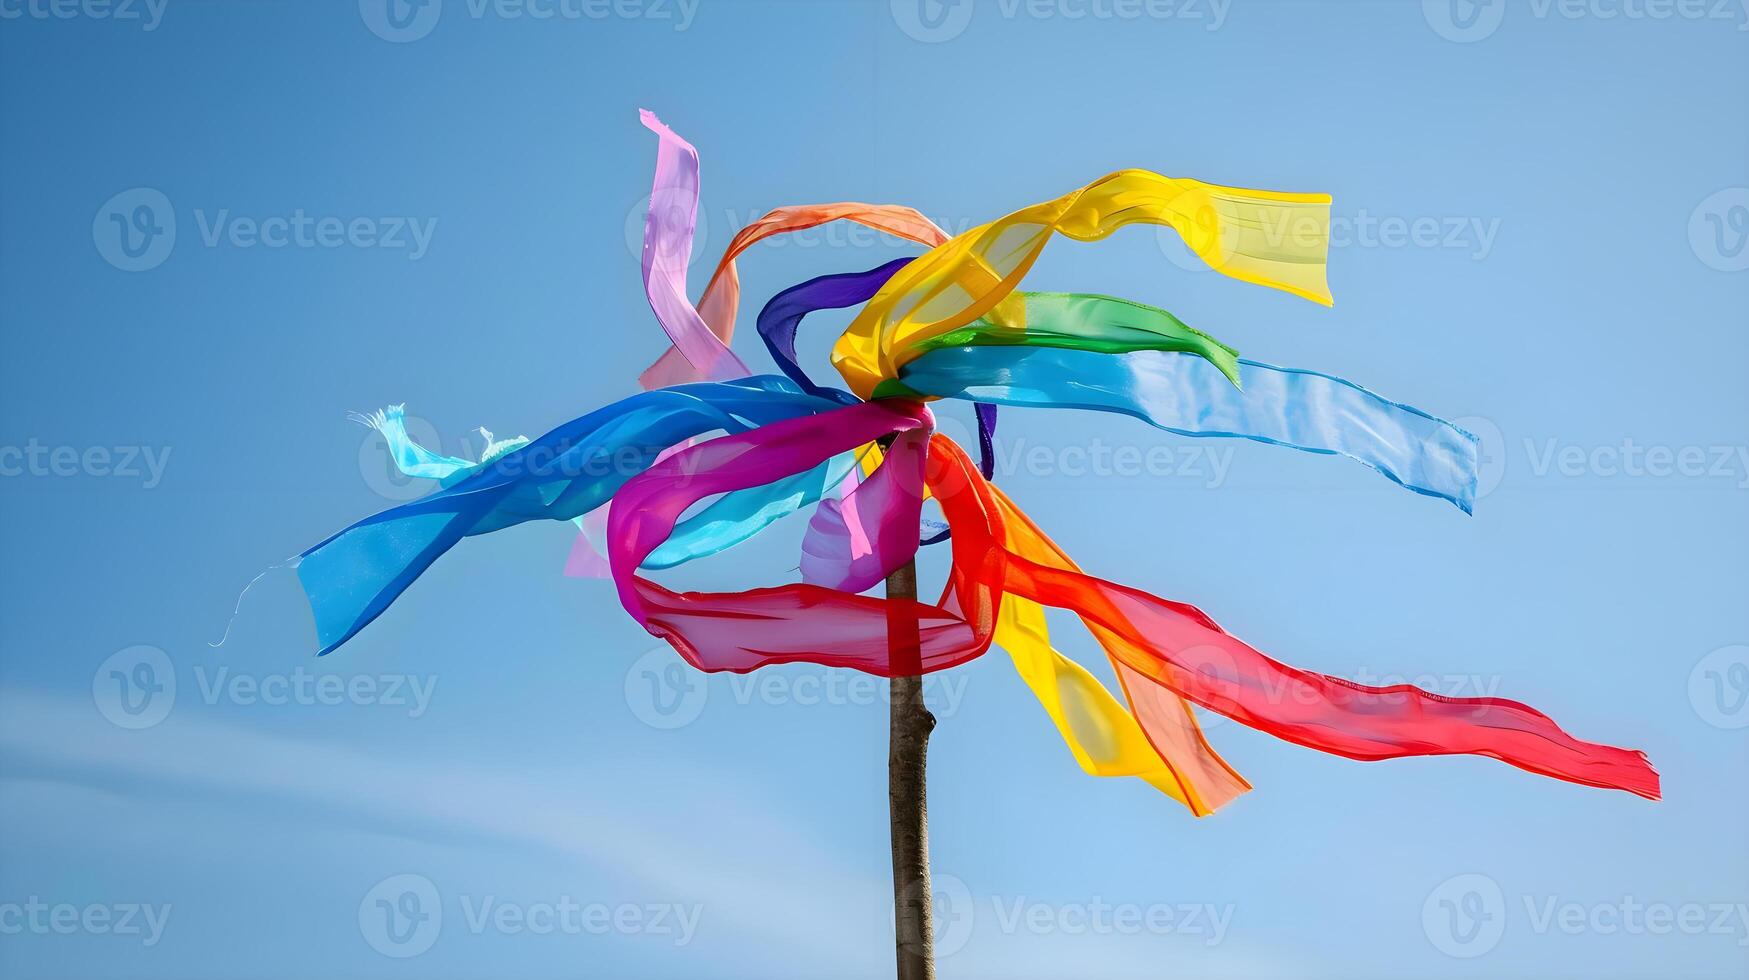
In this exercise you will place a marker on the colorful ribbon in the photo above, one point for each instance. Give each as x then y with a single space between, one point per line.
418 462
356 574
950 324
1085 322
1169 644
1264 237
701 334
1186 395
782 318
667 252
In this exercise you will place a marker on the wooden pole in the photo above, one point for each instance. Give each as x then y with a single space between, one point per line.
907 802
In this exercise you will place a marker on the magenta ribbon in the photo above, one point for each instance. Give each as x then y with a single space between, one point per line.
646 509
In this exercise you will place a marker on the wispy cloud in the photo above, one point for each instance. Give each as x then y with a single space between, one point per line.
832 915
45 738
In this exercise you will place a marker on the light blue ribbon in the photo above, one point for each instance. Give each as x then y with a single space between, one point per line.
1187 395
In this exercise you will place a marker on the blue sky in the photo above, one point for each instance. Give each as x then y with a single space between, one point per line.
1541 213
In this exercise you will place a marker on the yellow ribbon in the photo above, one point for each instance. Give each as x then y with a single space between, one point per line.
1156 739
1264 237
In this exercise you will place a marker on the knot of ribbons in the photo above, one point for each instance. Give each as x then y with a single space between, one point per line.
711 454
